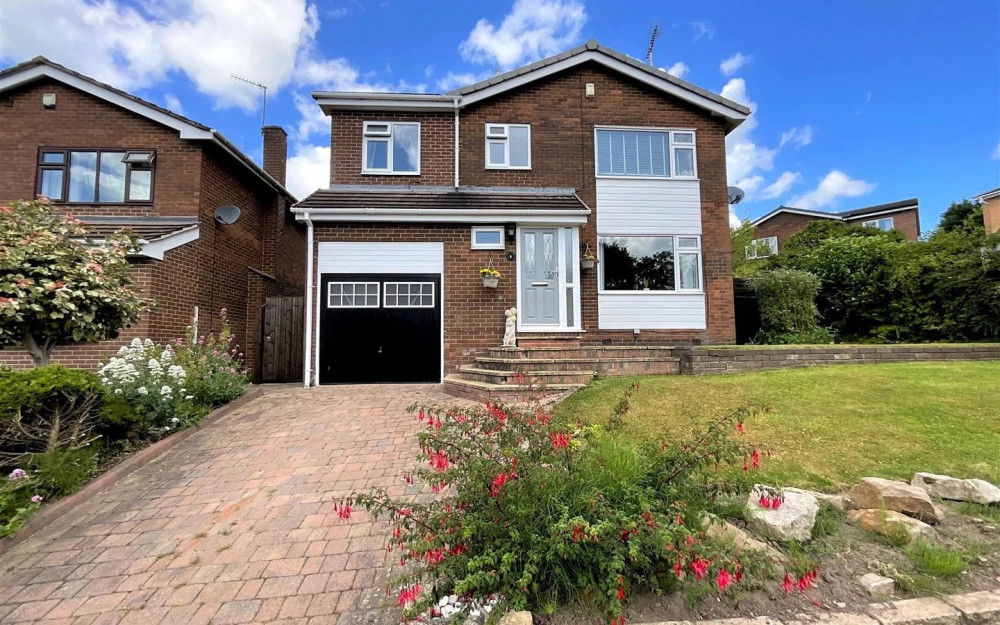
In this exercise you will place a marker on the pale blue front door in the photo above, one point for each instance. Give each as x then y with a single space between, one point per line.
539 279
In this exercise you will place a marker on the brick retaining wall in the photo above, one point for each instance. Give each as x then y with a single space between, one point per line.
707 359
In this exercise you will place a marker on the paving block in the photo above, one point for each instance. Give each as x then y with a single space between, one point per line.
977 608
915 612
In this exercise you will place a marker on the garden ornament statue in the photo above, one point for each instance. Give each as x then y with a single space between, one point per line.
509 337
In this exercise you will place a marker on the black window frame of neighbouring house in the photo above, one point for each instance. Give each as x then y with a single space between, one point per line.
60 159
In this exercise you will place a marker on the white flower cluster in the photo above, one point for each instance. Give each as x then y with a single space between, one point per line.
145 374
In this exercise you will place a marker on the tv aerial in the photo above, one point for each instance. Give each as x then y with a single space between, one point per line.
652 43
259 85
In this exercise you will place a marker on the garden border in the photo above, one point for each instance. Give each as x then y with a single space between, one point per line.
50 513
973 608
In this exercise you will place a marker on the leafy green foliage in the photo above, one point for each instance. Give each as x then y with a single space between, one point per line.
56 285
19 499
820 231
965 216
216 374
937 560
787 308
536 511
742 239
62 472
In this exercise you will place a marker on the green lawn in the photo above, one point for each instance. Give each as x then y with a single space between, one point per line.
831 425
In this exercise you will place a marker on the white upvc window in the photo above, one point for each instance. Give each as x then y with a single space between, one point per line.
391 148
884 223
657 264
487 238
508 146
646 153
762 248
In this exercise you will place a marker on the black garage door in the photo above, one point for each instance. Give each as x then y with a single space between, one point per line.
380 328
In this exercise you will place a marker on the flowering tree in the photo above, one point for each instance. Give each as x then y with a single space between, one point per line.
58 286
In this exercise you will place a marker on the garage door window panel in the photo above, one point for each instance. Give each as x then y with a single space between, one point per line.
409 295
352 295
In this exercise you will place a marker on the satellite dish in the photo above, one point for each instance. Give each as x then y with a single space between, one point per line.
227 214
736 195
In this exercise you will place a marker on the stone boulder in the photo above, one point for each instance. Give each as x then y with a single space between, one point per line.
794 520
976 491
837 501
721 530
876 493
516 618
877 585
889 522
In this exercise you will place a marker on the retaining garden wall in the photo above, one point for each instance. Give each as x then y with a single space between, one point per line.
707 359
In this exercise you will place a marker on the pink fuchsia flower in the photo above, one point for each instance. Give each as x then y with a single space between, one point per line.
224 312
699 567
36 499
723 580
788 584
18 474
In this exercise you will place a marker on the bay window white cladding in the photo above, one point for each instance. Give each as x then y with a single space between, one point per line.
391 148
645 153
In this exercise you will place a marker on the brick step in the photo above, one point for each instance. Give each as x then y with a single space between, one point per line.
549 340
583 351
455 384
602 366
509 377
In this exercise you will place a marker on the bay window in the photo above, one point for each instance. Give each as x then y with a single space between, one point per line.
650 263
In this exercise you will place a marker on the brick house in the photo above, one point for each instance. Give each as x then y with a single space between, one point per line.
528 172
991 209
117 161
776 227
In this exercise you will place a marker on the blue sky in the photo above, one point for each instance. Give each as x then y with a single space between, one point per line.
856 102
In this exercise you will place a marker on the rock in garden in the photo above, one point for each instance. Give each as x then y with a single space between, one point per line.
889 522
977 491
837 501
516 618
877 585
793 520
721 530
875 492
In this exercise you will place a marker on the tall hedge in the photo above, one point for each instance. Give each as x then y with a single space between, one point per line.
786 298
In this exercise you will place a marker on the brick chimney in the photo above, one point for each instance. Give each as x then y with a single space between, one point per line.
275 151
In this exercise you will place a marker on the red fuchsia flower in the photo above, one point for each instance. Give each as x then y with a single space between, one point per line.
755 459
560 440
343 511
498 483
439 461
408 595
745 467
806 581
699 567
723 580
739 427
618 620
621 588
788 584
408 478
578 533
679 569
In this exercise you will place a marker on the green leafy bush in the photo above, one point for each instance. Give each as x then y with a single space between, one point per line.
786 298
536 512
19 498
216 374
62 472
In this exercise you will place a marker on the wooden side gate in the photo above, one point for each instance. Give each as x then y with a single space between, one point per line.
282 326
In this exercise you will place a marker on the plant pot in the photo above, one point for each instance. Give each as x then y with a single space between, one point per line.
491 282
587 263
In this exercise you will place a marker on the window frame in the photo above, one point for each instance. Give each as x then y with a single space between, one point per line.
677 251
773 247
408 283
487 246
378 293
672 147
873 223
40 166
505 139
367 136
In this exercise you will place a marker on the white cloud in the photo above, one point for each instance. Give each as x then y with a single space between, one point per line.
734 221
312 120
171 102
781 186
678 69
734 63
428 71
308 170
702 29
834 185
996 152
751 186
532 29
798 137
743 156
453 80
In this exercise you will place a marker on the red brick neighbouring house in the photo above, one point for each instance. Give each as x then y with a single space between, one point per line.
116 161
776 227
586 152
991 209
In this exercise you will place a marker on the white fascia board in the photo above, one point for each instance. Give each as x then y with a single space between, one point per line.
412 215
614 64
334 101
989 195
885 212
187 131
155 249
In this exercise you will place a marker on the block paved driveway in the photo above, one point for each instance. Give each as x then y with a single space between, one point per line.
234 524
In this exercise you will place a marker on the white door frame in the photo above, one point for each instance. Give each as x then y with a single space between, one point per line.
561 256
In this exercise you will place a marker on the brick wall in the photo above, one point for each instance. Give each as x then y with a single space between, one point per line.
907 222
699 360
991 214
437 148
783 226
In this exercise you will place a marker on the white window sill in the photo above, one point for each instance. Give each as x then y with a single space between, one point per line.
504 167
548 330
494 248
662 178
648 293
388 173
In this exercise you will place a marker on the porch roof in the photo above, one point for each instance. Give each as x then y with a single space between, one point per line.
156 235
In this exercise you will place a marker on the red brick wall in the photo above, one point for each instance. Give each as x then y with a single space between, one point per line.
907 222
991 214
437 148
783 226
562 145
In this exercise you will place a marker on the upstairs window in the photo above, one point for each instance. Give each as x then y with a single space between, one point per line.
391 148
508 146
882 224
96 176
762 248
646 153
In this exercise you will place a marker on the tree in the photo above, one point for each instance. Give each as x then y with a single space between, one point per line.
58 286
964 216
742 240
817 232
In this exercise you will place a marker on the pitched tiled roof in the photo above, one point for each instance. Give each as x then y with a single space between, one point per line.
362 197
844 215
878 208
146 229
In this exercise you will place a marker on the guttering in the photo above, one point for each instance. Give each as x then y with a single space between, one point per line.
347 101
439 215
307 374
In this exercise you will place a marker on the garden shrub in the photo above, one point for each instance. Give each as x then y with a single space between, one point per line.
214 364
536 512
47 409
786 299
62 472
19 498
118 419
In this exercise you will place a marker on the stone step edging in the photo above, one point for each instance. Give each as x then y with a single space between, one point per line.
976 608
51 512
